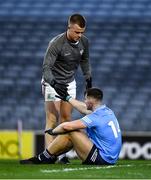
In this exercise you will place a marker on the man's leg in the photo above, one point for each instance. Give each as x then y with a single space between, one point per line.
56 111
79 140
81 144
65 107
52 115
86 150
65 115
65 111
61 144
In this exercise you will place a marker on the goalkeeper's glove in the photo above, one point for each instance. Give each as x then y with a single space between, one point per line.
49 131
88 83
61 89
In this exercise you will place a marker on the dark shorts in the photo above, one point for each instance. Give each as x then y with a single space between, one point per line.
95 158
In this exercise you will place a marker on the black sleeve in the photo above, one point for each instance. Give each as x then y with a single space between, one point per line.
84 63
49 60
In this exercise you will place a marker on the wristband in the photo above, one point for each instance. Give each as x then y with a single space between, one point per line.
68 97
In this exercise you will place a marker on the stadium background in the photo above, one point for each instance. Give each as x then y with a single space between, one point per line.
119 32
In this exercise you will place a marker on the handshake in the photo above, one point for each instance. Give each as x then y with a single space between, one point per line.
61 90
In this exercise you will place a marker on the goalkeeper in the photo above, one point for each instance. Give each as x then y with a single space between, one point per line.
100 144
65 53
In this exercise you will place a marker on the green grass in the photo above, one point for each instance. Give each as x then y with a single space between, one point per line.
124 169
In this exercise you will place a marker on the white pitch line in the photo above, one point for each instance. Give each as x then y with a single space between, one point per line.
81 169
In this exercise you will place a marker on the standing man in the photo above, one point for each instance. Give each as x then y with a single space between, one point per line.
100 145
63 56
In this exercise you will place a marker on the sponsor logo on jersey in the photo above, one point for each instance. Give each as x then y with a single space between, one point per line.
67 54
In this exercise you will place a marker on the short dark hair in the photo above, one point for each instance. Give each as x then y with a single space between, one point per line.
95 93
77 19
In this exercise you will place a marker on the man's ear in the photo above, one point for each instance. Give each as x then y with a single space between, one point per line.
69 26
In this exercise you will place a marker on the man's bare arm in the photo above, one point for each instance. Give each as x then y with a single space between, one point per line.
66 127
79 105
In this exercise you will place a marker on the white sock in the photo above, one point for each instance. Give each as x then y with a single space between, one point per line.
61 156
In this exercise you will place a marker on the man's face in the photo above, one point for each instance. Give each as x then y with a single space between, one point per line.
89 102
74 32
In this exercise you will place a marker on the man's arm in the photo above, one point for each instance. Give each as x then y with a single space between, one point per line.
84 63
68 127
80 106
52 53
49 60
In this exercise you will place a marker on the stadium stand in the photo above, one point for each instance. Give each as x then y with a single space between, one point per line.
120 46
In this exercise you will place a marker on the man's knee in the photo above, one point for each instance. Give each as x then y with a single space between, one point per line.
75 134
65 112
65 115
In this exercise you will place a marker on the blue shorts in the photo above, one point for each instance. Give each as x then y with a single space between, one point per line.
94 158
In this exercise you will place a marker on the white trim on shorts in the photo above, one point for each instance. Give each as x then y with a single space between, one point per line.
49 93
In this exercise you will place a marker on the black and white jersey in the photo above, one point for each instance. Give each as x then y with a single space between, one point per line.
63 57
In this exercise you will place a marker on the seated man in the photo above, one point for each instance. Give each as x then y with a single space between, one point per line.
100 144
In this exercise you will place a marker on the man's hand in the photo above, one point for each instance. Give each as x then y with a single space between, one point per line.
49 131
88 83
61 89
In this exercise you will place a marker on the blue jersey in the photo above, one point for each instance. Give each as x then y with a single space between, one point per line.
104 131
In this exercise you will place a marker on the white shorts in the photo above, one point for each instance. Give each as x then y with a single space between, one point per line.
49 92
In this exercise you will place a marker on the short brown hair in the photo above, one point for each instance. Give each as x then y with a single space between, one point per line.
77 19
95 93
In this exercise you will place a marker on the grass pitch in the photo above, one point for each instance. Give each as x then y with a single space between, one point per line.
124 169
